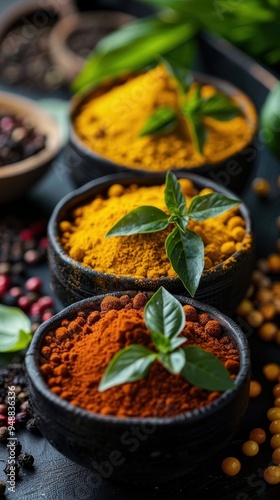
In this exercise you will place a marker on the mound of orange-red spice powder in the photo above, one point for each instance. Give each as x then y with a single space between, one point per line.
75 354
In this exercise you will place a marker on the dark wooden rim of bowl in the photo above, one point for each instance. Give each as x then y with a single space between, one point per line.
231 329
245 103
82 195
42 122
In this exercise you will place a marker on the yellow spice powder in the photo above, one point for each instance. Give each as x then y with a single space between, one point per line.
110 124
143 255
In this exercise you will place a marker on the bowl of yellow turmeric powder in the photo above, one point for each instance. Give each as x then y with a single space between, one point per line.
84 261
142 124
157 424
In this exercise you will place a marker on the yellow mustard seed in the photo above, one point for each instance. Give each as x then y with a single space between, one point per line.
231 466
275 441
255 389
276 456
261 187
274 427
273 414
272 474
271 371
258 435
250 448
267 331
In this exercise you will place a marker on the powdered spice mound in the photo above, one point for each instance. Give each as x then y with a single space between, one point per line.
143 255
75 354
110 125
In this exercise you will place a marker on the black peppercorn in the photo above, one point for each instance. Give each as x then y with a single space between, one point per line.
25 460
32 426
2 488
4 433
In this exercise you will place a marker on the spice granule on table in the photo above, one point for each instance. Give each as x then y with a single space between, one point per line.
75 354
83 234
110 125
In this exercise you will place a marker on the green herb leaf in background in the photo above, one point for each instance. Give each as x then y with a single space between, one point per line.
163 120
15 329
181 74
186 254
164 314
219 107
198 131
133 47
128 365
205 370
270 120
144 219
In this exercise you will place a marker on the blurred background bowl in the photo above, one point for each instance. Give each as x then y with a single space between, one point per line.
17 178
85 164
222 287
174 445
82 31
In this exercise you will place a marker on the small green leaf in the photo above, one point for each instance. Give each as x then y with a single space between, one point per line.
127 365
163 120
164 314
140 220
205 370
15 329
182 75
173 361
177 342
186 254
182 223
173 196
161 342
270 120
193 102
220 107
198 131
210 205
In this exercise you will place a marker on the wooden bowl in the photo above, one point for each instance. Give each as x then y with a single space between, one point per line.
85 164
174 445
17 178
103 22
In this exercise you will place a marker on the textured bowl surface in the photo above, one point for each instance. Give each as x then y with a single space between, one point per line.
131 449
84 164
18 177
223 288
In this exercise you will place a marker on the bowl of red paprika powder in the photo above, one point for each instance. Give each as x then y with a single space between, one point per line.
141 259
156 428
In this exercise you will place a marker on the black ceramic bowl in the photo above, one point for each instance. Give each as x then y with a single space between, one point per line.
84 164
168 447
223 288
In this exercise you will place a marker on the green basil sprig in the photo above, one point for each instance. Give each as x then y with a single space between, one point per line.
165 319
184 248
15 329
192 107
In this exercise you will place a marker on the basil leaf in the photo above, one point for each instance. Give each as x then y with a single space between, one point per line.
182 223
197 129
186 254
127 365
193 103
15 329
173 361
210 205
162 120
164 314
132 47
182 75
140 220
219 107
176 342
161 342
173 196
205 370
270 120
